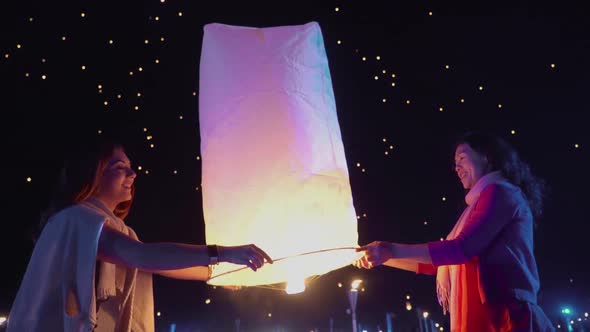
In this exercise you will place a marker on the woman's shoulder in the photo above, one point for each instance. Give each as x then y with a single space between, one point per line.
77 212
504 191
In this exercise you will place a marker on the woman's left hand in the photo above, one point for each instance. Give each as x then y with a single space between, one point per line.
376 253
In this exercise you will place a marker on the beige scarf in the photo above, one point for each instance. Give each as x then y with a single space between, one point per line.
137 304
110 279
447 275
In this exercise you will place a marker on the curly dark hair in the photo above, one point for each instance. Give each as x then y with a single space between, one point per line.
504 158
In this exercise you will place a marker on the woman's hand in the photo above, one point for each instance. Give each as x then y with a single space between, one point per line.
376 253
249 255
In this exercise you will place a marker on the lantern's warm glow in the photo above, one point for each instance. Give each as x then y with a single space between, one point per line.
295 286
274 172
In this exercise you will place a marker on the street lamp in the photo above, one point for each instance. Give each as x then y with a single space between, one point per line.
352 297
567 312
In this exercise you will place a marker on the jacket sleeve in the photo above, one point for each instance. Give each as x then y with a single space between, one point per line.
492 211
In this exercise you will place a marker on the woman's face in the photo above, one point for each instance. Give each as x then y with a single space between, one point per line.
117 179
469 165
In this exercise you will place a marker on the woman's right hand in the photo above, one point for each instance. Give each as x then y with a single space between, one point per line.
249 255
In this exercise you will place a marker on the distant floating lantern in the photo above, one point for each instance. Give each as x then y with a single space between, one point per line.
274 171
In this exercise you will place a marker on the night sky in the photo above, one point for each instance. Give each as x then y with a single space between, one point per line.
408 79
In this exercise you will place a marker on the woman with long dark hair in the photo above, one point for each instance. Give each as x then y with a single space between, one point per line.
88 270
486 272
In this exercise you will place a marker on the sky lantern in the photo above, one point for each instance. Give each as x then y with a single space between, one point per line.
274 171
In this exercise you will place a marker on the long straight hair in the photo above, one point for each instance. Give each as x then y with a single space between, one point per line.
79 180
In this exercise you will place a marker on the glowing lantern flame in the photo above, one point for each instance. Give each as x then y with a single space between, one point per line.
295 286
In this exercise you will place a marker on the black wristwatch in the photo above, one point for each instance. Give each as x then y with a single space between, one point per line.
213 254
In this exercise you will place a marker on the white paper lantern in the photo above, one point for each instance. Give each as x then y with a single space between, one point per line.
274 171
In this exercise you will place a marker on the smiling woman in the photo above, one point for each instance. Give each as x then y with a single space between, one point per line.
486 271
89 271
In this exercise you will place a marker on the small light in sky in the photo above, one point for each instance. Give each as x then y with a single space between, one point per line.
577 146
144 130
499 105
196 188
139 168
83 67
384 71
119 96
391 147
147 172
162 39
6 55
106 103
447 66
29 179
180 117
43 77
179 13
146 41
30 19
339 42
130 73
63 38
444 199
99 86
43 60
462 100
480 88
408 101
110 41
157 18
364 215
363 170
175 172
27 75
408 306
99 131
384 140
140 69
157 61
378 57
364 59
429 13
393 75
337 9
425 223
386 153
442 239
162 1
158 314
18 46
149 137
440 109
339 285
552 65
136 108
384 100
82 14
376 77
139 94
358 164
392 83
194 93
269 315
407 297
198 157
513 132
152 145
